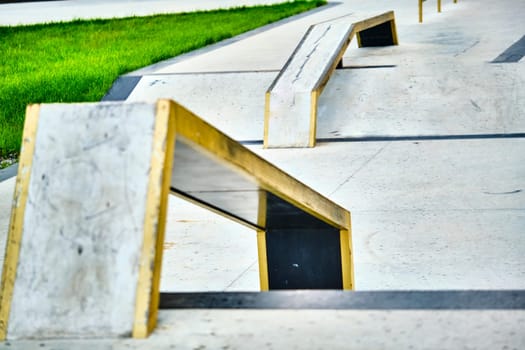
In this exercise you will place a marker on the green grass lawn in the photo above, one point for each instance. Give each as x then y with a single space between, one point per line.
78 61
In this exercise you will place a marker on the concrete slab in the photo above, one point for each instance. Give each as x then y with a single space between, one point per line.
441 215
318 329
387 103
438 98
233 102
268 50
59 11
204 251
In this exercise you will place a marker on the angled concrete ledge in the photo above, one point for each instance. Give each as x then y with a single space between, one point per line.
86 235
290 117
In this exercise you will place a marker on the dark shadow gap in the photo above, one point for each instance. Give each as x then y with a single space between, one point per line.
379 138
347 300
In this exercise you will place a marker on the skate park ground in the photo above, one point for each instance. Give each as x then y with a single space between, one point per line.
423 142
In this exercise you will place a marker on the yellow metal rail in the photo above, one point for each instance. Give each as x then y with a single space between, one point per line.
420 8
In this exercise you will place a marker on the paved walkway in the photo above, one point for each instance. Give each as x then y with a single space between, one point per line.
57 11
426 151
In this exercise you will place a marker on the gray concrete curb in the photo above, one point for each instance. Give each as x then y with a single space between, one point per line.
8 172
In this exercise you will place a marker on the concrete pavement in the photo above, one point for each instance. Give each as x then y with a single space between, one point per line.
59 11
426 151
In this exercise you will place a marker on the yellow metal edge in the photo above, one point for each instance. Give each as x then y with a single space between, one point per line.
439 5
261 241
266 118
347 259
154 221
393 28
313 118
420 8
267 176
166 179
262 208
373 21
263 261
14 237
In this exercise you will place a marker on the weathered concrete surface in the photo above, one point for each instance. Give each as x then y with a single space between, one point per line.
315 329
229 101
84 222
205 251
426 215
432 99
394 107
290 104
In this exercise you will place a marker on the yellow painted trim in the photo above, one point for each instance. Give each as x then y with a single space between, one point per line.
347 259
154 221
420 5
374 21
266 118
313 118
16 224
439 5
264 282
356 28
393 28
209 140
262 209
263 261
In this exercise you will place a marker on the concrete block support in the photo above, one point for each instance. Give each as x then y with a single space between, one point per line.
86 217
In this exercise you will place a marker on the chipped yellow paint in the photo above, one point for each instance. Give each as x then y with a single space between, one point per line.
148 294
168 245
16 223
